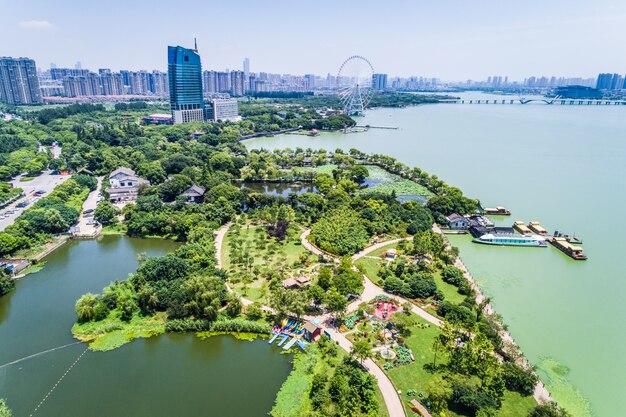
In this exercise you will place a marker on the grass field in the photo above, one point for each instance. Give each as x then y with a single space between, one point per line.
449 291
263 254
415 376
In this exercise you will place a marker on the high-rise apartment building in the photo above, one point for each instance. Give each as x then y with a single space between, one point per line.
185 80
61 73
246 67
379 81
604 81
18 81
237 83
209 82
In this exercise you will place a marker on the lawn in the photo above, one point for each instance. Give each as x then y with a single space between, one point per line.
373 261
414 376
449 291
370 267
261 254
288 251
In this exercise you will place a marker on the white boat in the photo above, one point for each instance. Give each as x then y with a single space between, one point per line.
512 240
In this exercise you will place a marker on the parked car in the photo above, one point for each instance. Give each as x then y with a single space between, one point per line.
88 211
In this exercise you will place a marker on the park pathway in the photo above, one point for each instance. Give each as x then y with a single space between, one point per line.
371 290
392 400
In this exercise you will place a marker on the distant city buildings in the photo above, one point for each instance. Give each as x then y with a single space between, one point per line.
379 81
18 81
82 83
185 81
610 82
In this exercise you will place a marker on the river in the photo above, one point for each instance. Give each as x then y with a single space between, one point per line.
562 165
168 375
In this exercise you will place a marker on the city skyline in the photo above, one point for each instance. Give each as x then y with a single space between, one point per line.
428 39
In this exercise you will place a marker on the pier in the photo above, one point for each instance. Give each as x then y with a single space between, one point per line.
548 101
379 127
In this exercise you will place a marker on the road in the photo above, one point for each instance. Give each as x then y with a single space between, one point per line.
85 229
45 182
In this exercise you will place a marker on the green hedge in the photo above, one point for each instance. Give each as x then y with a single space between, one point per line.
227 326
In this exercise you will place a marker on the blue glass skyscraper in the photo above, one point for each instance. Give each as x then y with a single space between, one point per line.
185 78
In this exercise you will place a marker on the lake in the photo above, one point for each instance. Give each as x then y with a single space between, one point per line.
162 376
564 166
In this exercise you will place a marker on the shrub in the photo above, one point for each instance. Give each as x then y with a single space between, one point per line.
519 379
452 275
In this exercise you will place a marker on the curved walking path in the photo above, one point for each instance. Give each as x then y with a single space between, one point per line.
392 400
371 290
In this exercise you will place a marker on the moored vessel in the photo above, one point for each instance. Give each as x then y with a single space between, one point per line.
501 239
574 252
521 227
536 227
498 211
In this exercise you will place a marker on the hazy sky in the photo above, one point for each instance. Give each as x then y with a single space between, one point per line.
448 39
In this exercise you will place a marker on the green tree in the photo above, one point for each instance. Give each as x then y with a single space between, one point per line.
5 411
325 278
55 223
336 303
6 283
85 307
361 349
340 231
106 213
172 188
234 306
550 409
519 379
8 244
439 392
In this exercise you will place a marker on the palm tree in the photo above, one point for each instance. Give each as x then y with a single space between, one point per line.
361 350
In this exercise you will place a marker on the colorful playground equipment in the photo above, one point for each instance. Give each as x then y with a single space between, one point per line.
289 329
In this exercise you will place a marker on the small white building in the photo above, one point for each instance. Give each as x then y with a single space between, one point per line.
457 222
124 185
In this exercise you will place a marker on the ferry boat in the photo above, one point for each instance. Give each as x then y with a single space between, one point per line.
498 211
535 226
512 240
520 227
574 252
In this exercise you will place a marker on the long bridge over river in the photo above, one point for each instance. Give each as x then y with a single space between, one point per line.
549 101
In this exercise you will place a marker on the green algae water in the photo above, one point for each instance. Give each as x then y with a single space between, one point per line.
564 166
168 375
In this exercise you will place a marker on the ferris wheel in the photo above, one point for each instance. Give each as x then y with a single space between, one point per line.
354 85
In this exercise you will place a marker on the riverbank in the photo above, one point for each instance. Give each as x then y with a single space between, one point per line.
579 360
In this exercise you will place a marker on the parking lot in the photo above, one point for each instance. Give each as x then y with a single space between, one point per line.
45 182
